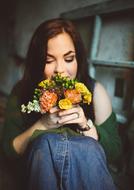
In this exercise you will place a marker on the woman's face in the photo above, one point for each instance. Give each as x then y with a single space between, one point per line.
61 57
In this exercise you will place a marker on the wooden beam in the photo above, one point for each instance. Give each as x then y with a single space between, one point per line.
107 63
103 7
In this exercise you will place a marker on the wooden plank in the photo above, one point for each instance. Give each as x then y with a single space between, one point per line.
95 41
122 64
103 7
96 36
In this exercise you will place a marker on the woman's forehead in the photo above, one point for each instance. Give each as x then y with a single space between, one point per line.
62 42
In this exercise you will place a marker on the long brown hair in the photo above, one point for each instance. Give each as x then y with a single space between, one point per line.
36 56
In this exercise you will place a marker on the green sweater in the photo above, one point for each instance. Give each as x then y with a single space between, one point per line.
14 125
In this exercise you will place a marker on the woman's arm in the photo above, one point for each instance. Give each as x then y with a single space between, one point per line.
102 104
15 140
21 142
16 136
47 121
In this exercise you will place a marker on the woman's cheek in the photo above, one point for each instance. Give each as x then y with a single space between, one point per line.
49 71
72 69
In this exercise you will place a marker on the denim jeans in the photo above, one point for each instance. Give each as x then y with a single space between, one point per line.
62 162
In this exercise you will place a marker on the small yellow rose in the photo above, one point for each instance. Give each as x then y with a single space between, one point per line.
87 98
81 88
65 104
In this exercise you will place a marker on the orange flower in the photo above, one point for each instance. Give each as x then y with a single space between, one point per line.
73 95
47 101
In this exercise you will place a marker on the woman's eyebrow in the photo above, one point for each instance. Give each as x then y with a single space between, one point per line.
49 55
69 52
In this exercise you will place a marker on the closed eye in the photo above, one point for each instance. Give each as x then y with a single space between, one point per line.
69 58
49 61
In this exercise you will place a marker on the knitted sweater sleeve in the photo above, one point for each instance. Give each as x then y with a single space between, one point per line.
13 126
109 138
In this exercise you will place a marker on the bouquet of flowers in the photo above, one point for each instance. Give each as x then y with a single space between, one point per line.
58 91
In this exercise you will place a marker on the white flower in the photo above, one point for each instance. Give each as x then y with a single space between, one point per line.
36 106
23 108
29 111
30 107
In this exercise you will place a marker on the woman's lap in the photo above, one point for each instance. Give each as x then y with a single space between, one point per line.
59 161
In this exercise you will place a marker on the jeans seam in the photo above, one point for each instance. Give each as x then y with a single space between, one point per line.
63 164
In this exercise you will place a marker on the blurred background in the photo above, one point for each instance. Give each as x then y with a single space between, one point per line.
107 29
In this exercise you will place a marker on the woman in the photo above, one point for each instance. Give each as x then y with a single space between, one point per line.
57 155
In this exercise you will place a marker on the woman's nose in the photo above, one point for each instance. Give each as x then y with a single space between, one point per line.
60 67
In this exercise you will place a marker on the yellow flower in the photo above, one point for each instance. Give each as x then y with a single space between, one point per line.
87 98
46 83
65 104
81 88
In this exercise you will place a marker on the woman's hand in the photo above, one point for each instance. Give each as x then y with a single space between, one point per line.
92 133
73 115
57 117
76 115
50 119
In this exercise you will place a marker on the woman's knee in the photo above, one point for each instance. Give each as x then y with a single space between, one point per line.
95 149
89 146
93 144
40 149
42 142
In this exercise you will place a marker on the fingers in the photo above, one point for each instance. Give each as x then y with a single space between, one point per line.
62 117
54 109
57 117
70 111
73 115
70 118
51 118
